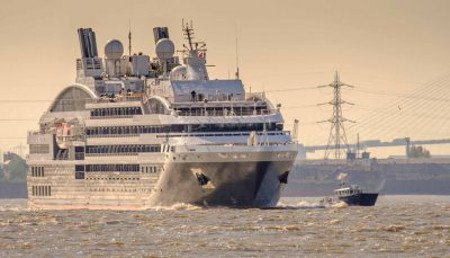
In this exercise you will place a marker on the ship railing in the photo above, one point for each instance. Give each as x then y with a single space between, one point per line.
174 135
70 138
220 134
214 146
253 100
31 133
112 135
112 99
220 98
111 154
112 117
229 113
255 95
220 103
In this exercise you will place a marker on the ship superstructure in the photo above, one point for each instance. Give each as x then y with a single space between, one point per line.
136 131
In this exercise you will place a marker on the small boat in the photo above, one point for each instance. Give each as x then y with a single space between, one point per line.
353 195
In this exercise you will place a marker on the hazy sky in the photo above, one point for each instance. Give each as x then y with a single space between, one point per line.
384 46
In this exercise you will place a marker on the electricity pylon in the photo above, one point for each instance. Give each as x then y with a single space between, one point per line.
337 134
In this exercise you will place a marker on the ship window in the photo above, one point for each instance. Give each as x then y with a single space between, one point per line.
71 99
112 168
127 130
120 111
79 168
37 171
79 149
121 149
223 111
79 175
39 148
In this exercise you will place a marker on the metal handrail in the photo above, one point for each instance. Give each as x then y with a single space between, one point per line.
202 113
119 98
112 117
222 134
112 154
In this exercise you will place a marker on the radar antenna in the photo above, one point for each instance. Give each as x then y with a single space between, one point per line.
188 31
337 131
237 59
295 130
129 39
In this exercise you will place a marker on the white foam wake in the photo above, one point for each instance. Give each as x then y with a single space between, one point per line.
176 207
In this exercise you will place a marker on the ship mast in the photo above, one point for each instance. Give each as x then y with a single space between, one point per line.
129 38
237 60
195 46
189 32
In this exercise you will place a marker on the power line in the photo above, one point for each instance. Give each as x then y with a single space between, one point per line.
16 120
403 96
291 89
392 121
394 103
23 100
430 97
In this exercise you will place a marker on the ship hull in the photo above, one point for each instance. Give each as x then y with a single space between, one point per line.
363 199
233 184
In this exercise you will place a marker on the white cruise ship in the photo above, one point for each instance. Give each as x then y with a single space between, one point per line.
136 131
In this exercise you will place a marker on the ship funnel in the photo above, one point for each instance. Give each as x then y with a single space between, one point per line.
88 43
90 65
160 33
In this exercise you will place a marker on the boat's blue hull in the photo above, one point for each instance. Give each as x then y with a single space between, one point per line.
362 199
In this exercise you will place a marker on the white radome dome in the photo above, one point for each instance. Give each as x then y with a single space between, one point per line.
165 48
178 73
113 49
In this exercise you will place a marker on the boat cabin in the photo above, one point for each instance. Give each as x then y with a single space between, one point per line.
348 191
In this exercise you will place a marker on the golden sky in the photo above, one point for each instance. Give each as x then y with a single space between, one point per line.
387 46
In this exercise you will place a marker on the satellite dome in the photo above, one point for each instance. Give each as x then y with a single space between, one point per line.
113 49
178 73
165 48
